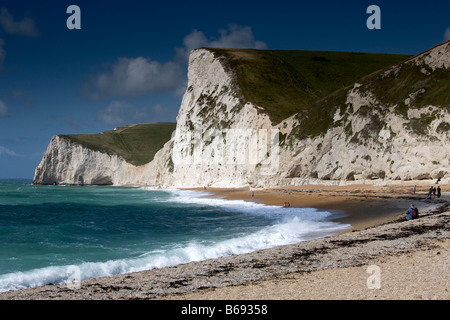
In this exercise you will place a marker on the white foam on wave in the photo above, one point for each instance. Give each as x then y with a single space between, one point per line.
247 207
291 225
291 231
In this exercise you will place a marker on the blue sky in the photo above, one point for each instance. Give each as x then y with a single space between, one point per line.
128 62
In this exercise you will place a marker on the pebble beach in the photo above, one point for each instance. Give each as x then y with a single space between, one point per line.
379 258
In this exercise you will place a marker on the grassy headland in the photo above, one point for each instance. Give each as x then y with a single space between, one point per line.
137 144
285 82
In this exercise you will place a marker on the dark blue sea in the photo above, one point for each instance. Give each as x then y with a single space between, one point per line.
104 230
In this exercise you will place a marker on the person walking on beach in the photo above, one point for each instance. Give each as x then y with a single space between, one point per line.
411 213
439 192
430 191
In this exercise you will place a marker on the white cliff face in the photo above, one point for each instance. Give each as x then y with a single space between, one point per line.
216 133
69 163
435 58
222 140
373 142
66 162
219 139
392 153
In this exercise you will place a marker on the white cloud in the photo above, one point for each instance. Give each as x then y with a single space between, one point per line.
25 27
4 111
447 35
130 77
7 152
235 36
135 76
121 112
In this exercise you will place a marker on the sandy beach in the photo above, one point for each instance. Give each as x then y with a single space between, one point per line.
378 258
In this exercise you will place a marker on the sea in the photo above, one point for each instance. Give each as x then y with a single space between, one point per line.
46 232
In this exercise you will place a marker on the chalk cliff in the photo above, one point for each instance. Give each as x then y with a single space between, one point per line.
388 126
220 137
70 163
391 125
67 162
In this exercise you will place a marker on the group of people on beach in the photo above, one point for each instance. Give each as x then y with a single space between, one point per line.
413 212
434 192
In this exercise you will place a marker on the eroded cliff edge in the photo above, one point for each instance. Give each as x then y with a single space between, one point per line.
390 125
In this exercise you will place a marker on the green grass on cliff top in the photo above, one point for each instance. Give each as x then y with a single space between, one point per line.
137 144
286 82
414 82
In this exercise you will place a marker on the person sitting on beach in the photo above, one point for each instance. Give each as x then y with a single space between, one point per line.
411 213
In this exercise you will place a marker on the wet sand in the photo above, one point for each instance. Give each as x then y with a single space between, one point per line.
359 205
412 256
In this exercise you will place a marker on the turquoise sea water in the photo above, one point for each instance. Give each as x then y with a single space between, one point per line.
105 230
